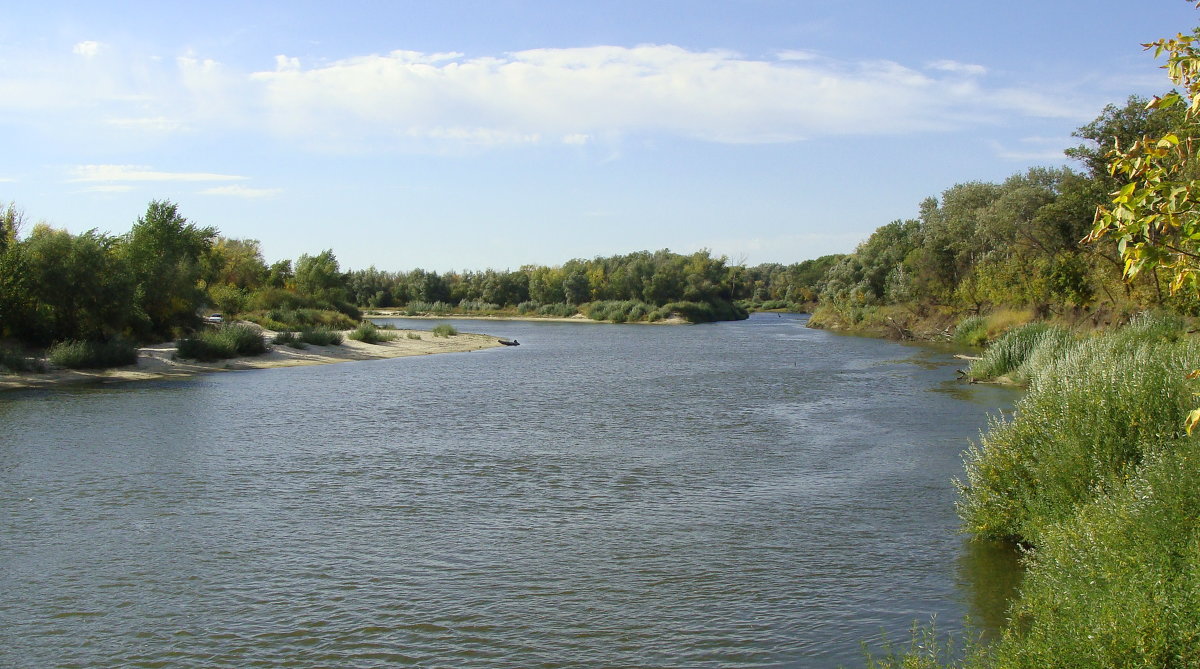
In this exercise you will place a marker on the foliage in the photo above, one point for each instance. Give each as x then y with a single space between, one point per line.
413 335
1090 417
164 253
444 330
79 354
226 341
1011 350
971 331
288 338
368 333
299 319
1118 583
321 336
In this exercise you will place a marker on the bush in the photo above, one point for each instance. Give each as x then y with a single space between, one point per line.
444 330
368 333
558 309
321 336
289 338
419 308
1117 584
280 319
477 305
227 341
75 354
1090 417
529 307
413 335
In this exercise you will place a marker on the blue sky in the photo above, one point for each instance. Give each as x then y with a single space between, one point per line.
468 135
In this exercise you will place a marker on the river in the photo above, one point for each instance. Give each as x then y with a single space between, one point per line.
750 494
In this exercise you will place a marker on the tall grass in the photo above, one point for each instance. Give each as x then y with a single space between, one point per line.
75 354
1089 419
227 341
368 333
284 319
1008 353
444 330
321 336
971 331
417 308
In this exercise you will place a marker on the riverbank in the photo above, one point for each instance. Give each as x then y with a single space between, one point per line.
159 362
577 318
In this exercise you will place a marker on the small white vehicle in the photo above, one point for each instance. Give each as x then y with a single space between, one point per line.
215 318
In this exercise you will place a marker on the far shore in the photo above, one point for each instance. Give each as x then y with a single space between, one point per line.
158 361
577 318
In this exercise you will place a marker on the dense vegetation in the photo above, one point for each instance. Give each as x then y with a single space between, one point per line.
157 281
1096 473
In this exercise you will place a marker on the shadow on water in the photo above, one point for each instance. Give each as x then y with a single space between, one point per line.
989 574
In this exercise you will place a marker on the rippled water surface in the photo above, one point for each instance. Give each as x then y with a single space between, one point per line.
740 494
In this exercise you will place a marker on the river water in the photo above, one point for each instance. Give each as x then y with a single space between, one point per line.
751 494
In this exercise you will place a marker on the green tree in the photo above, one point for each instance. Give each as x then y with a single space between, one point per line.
164 254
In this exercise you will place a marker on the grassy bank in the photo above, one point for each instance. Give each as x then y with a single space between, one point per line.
1096 476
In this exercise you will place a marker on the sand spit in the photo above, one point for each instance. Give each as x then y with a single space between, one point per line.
157 362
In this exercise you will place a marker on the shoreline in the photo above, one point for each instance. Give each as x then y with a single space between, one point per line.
156 361
577 318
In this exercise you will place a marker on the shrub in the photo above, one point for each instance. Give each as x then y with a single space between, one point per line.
413 335
1117 584
299 319
289 338
227 341
75 354
368 333
1090 417
419 308
321 336
529 307
558 309
477 305
444 330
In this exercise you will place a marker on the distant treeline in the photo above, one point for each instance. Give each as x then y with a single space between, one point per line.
157 281
1017 244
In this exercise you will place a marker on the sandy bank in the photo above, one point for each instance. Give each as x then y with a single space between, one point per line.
156 362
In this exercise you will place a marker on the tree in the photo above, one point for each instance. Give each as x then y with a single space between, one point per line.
164 253
1155 214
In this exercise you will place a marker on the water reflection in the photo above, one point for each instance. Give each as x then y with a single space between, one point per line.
989 573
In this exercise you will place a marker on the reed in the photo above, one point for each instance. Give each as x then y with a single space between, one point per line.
368 333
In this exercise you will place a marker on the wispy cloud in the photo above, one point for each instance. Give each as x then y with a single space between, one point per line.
237 190
406 99
87 49
108 188
141 173
955 66
1035 148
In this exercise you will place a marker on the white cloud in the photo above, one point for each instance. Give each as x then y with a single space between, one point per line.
242 191
87 49
141 173
1036 149
961 68
150 124
718 96
552 96
108 188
